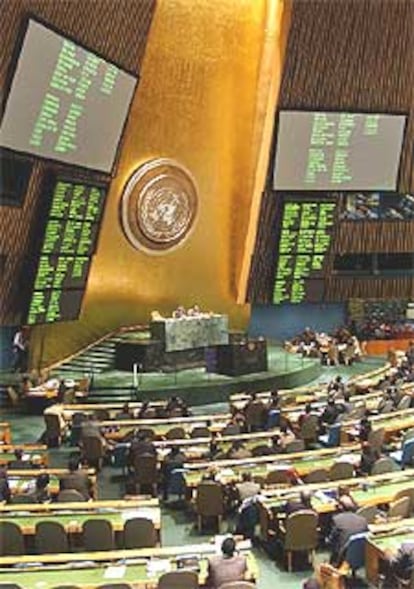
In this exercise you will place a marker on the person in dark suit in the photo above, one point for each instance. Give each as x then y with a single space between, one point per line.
5 493
19 463
141 444
368 458
303 503
175 459
344 525
330 413
400 565
76 479
226 567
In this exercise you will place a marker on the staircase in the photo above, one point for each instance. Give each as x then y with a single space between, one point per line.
95 359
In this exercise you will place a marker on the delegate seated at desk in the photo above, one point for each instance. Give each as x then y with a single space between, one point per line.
226 567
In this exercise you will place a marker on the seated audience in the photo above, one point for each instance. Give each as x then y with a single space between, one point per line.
303 503
330 413
41 492
285 437
174 459
247 488
368 458
5 493
238 450
365 429
125 413
76 479
344 525
19 463
227 567
141 444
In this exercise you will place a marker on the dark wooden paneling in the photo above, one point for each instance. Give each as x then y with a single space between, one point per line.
339 289
346 55
374 237
118 31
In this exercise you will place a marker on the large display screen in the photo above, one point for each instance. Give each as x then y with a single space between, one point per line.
338 151
69 241
304 239
65 103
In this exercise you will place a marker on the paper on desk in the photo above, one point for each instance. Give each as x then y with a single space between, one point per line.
159 565
115 572
140 512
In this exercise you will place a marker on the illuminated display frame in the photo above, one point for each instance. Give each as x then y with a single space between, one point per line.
39 233
331 110
9 81
318 276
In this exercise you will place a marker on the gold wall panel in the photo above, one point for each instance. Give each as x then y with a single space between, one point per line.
196 103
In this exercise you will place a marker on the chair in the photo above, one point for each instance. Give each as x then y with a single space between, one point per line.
101 414
309 429
50 538
383 465
63 587
175 433
97 535
369 513
333 437
260 450
178 580
404 403
280 476
200 432
209 502
376 438
295 446
114 586
13 396
409 492
93 451
254 413
387 407
21 499
300 534
273 419
11 539
408 435
399 508
355 551
146 472
139 532
238 585
53 432
405 455
70 496
320 475
341 470
231 429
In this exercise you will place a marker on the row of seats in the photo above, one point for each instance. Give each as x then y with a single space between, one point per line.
97 534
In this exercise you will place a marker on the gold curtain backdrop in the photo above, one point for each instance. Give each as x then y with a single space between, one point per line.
202 101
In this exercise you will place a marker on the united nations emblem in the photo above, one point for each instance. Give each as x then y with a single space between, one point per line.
159 206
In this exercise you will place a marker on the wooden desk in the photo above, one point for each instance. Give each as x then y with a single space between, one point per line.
5 433
22 480
134 565
385 538
373 490
34 453
72 518
230 470
393 423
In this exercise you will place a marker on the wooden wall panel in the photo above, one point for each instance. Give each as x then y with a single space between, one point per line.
355 55
340 289
116 30
374 237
